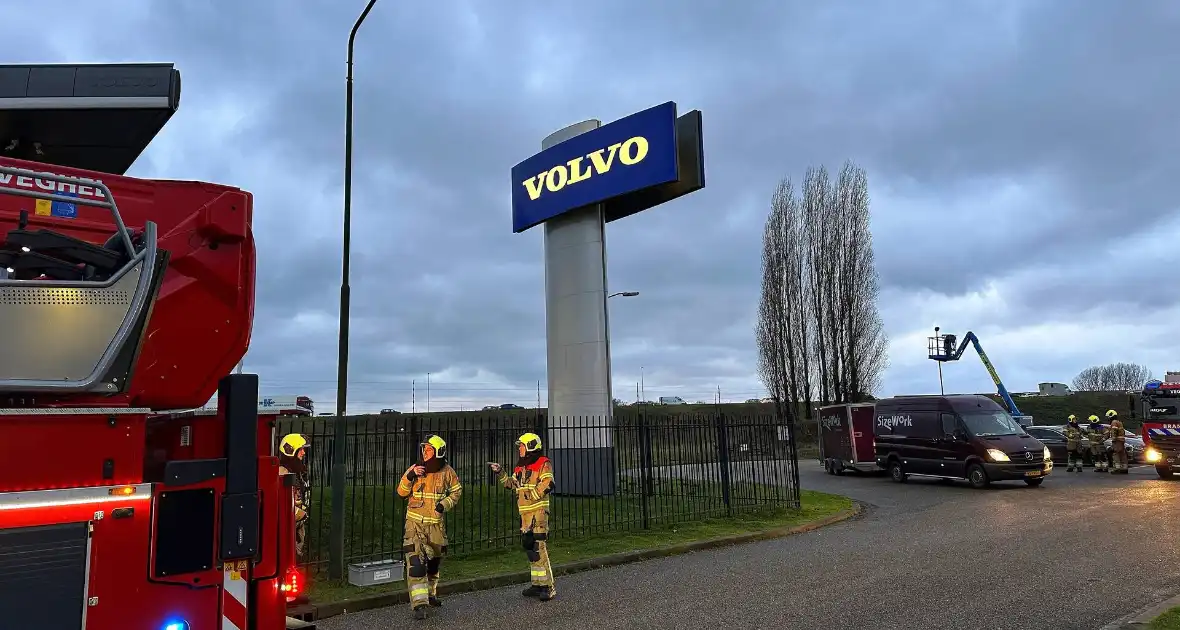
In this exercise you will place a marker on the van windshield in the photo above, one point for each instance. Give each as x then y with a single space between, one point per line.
984 423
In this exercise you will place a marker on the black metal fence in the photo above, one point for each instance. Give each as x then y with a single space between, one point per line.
650 469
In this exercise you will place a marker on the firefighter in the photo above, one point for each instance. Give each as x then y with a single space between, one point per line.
532 481
293 460
432 488
1097 436
1118 442
1073 445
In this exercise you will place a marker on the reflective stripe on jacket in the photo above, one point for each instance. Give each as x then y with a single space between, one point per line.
532 483
427 491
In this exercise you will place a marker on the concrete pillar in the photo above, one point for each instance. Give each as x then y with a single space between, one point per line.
578 345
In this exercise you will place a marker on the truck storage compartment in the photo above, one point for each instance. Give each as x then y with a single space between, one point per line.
43 573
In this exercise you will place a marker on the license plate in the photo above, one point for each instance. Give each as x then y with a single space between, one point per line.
1033 473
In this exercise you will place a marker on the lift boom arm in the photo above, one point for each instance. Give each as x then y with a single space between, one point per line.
943 352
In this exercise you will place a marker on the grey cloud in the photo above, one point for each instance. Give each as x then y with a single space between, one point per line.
1065 102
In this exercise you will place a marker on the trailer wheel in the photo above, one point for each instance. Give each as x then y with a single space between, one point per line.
1165 472
895 471
977 476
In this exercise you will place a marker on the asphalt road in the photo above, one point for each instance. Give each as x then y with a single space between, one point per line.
1078 552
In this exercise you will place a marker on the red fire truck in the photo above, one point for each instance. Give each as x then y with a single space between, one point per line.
120 299
1161 425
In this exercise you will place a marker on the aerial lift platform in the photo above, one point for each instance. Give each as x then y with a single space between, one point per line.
941 348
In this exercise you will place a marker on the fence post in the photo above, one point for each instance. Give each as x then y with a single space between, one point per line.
723 460
645 464
336 538
491 430
413 439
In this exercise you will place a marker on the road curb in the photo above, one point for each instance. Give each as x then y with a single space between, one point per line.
1142 618
316 612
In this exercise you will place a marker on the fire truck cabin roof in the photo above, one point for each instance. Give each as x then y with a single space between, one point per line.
98 117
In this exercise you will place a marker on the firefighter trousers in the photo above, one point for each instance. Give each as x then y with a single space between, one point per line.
1075 457
301 535
1119 453
1098 454
534 537
424 545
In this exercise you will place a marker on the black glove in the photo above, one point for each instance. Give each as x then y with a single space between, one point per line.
411 475
438 507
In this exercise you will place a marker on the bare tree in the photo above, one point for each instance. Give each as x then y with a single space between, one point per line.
820 335
1112 377
782 323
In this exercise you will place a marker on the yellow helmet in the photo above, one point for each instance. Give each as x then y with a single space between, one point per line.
438 444
1093 419
1072 418
531 442
1111 413
291 444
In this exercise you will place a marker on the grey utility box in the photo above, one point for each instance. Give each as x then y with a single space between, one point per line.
374 573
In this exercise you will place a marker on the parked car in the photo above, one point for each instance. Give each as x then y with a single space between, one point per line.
1053 437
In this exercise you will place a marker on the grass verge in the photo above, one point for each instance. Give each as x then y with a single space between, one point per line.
815 506
1170 620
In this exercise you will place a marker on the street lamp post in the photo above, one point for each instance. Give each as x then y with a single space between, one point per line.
336 531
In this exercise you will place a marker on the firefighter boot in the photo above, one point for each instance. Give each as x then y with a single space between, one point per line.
419 612
432 569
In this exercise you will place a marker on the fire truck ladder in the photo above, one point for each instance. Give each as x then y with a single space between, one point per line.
74 312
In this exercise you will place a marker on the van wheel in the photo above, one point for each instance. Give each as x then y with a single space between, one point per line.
1165 472
977 476
1034 482
895 471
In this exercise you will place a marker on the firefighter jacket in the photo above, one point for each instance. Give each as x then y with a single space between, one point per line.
425 493
302 489
1073 438
533 484
1116 432
1097 438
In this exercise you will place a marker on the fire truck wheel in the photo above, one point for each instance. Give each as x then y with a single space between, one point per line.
838 467
977 476
828 467
895 471
1165 472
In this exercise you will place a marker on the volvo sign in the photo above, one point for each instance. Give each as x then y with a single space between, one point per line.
585 176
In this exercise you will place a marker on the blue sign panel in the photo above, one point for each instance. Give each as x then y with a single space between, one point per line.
625 156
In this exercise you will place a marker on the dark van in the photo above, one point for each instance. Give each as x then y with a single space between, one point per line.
956 437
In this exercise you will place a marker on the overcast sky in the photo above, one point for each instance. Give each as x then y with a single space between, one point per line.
1022 162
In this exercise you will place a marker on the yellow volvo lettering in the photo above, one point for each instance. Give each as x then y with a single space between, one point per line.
629 153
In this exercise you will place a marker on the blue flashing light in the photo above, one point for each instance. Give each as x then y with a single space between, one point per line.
1152 385
176 624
